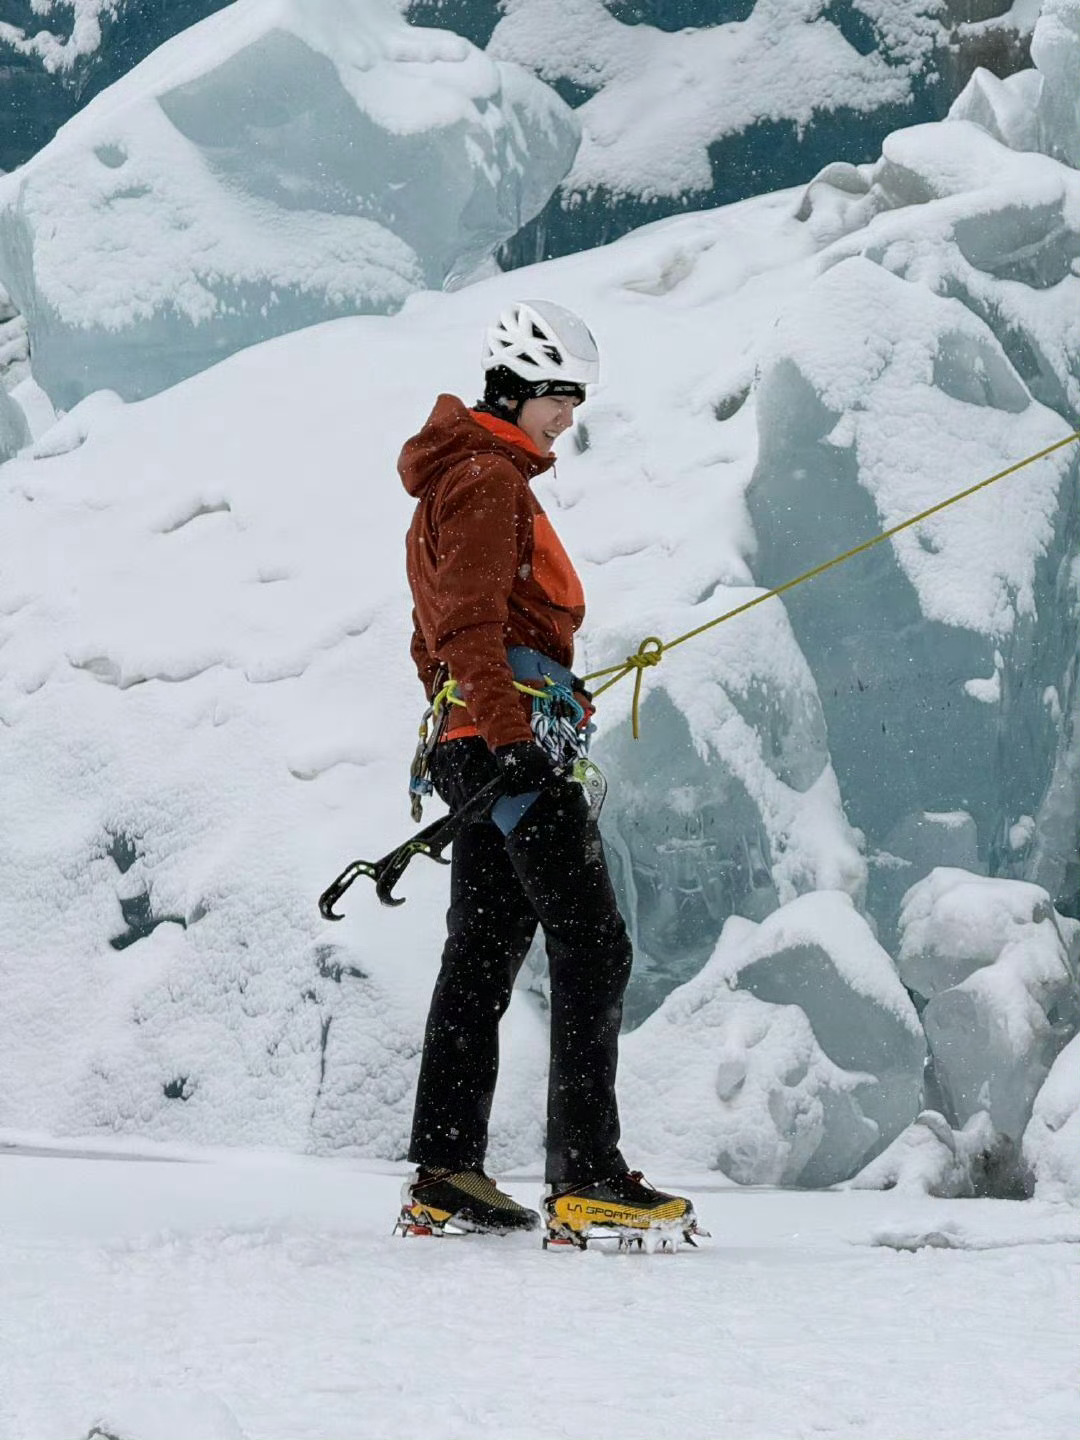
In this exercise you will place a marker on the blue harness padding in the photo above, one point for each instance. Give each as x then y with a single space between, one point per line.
529 667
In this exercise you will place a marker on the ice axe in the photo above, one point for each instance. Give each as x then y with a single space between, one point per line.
431 841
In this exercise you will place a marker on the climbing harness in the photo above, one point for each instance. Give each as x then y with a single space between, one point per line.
561 725
652 649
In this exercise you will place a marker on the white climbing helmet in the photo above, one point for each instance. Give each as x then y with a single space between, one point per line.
542 342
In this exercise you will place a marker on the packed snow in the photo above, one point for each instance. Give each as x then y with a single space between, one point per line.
1052 1138
211 1297
277 164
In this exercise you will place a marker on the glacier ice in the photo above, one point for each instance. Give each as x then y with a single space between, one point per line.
819 953
14 431
699 104
1036 109
1052 1139
997 967
791 1058
941 656
276 165
930 1158
752 819
14 344
720 1078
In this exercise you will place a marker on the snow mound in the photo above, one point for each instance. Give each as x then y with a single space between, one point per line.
930 1158
999 968
1052 1138
792 1058
718 1077
277 164
167 1414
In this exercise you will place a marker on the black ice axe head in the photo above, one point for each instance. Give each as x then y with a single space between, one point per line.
431 841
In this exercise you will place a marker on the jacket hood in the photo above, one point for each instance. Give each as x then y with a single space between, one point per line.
453 433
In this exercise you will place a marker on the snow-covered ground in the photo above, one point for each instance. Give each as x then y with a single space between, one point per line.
216 1296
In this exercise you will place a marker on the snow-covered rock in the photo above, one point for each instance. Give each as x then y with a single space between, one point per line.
998 966
1052 1139
277 164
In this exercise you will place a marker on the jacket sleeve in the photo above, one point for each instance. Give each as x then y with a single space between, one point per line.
426 667
482 528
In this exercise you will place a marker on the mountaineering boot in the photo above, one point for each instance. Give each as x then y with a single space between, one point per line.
624 1207
441 1202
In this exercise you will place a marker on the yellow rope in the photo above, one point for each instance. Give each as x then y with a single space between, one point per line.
652 649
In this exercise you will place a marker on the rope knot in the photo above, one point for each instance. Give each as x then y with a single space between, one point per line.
650 652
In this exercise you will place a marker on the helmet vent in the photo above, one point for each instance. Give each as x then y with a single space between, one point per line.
538 340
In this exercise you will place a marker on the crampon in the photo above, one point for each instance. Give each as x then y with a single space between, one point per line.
624 1211
669 1237
420 1220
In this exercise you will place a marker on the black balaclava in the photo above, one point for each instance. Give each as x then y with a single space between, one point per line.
505 392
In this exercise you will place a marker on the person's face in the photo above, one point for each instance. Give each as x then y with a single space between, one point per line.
545 419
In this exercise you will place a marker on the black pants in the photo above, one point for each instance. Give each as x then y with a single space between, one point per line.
549 871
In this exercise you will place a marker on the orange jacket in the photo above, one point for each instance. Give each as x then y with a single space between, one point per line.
485 567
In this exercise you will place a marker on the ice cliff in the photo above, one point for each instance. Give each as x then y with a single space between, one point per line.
275 165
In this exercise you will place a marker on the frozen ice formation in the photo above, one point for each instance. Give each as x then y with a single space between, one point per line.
1036 109
718 1078
14 344
754 819
1052 1138
820 954
694 104
14 432
930 1158
280 163
792 1058
945 658
997 967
